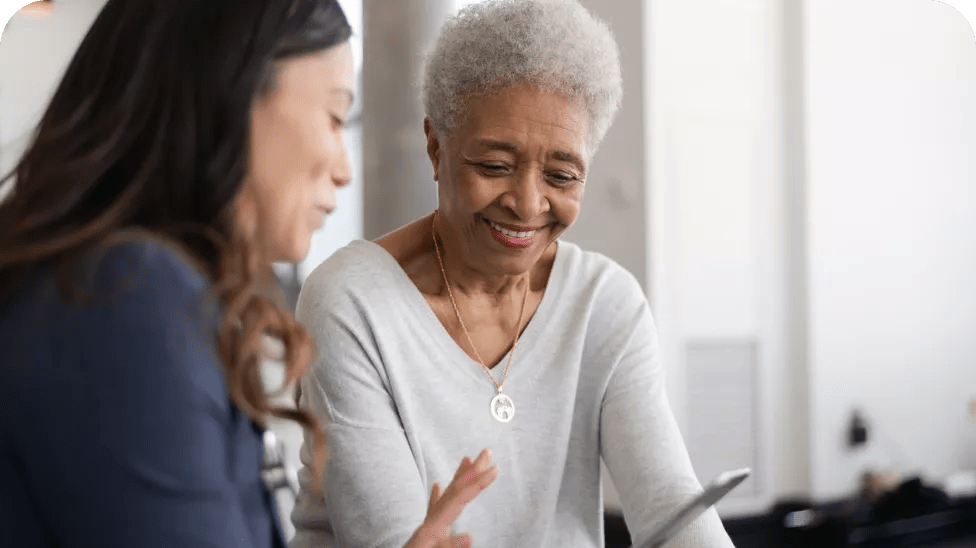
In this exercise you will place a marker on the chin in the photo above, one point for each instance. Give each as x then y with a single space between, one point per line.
299 254
293 253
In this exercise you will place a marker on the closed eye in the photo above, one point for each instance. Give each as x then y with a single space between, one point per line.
562 178
493 169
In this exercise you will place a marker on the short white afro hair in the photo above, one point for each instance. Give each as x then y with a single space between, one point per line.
553 45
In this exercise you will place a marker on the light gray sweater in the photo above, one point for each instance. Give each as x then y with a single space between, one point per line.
402 404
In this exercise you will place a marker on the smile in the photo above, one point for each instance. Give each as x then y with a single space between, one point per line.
512 233
512 239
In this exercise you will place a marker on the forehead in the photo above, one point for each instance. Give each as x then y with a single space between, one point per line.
326 72
526 116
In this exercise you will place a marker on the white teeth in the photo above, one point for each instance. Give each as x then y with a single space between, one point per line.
512 233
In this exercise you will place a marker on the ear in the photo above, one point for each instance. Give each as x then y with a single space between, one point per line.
433 147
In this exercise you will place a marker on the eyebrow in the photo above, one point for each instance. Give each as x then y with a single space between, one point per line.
493 144
571 158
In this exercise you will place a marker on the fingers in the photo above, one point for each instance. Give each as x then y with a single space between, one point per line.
463 467
435 495
484 458
471 479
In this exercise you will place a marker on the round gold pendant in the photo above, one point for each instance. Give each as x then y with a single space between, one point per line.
502 408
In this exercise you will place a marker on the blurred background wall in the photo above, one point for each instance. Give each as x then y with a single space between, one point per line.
791 180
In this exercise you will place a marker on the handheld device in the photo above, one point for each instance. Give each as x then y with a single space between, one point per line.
714 491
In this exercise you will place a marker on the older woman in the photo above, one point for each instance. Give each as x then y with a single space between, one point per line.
475 326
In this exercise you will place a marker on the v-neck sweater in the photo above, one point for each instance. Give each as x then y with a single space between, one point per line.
402 404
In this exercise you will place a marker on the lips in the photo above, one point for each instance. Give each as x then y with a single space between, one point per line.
510 237
321 212
522 233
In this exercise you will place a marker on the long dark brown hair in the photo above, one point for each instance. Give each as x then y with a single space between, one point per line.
148 133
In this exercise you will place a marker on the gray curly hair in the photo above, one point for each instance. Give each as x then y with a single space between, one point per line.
553 45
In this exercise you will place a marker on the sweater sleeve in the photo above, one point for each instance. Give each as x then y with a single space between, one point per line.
373 491
124 426
639 438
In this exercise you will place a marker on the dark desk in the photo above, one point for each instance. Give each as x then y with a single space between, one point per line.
842 524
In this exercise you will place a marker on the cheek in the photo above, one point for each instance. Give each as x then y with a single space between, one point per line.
288 170
289 144
565 205
471 191
277 214
288 223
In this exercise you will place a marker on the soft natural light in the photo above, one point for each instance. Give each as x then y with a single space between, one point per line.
354 13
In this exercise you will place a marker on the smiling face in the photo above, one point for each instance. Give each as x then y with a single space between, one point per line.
297 156
510 176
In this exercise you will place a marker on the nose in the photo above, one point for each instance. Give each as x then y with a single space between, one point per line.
342 169
527 197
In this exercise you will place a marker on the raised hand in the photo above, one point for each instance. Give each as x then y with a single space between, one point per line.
470 479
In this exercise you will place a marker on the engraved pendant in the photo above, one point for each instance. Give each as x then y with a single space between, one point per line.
502 407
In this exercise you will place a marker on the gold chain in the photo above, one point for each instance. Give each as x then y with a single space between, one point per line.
518 326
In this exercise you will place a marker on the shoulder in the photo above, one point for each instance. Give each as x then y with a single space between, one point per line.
357 274
143 305
152 308
145 274
146 282
144 268
600 294
348 267
591 272
143 286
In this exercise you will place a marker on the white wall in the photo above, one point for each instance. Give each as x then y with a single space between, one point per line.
838 239
892 236
613 218
34 53
717 150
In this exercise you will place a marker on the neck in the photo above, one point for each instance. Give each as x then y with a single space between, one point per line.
469 279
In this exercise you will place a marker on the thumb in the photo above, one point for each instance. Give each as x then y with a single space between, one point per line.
435 495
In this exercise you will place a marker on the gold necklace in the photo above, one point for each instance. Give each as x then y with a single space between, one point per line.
502 407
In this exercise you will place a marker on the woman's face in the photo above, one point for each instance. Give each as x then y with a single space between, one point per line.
297 156
510 176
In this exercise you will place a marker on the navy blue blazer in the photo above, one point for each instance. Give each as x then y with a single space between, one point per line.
116 428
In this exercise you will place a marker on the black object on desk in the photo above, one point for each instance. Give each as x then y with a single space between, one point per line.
912 515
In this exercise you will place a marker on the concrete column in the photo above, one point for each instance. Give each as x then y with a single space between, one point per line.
398 182
613 219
